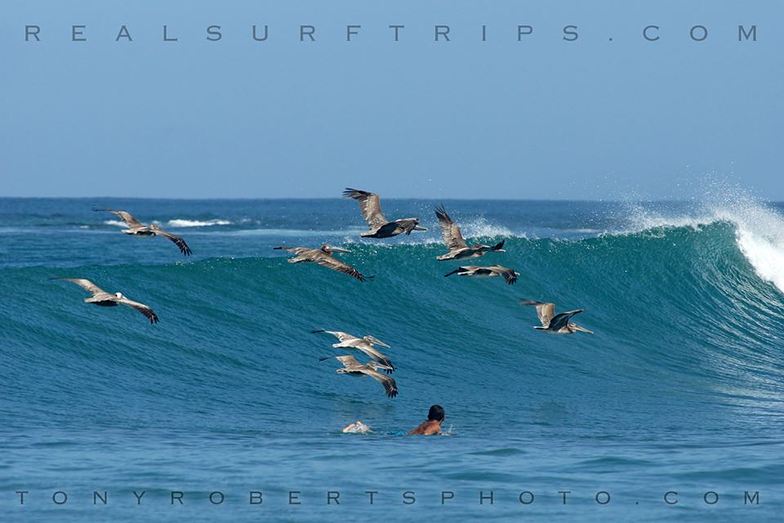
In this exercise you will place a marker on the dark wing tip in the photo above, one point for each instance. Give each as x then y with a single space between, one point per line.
355 193
510 277
441 213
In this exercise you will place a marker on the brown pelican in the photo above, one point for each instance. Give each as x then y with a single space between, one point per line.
364 344
323 256
453 238
354 368
380 227
105 299
136 228
490 272
555 323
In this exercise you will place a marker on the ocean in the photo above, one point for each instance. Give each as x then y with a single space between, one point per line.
674 408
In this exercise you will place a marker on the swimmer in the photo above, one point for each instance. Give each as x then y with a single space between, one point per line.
435 417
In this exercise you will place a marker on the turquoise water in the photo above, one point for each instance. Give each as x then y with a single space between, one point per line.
680 389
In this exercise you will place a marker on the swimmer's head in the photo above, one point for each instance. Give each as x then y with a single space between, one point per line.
436 413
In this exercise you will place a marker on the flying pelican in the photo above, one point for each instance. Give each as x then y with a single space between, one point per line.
105 299
555 323
380 227
453 238
364 344
354 368
136 228
490 272
323 256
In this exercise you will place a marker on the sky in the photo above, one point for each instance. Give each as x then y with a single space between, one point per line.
608 116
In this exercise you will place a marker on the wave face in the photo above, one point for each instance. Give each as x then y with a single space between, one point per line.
688 311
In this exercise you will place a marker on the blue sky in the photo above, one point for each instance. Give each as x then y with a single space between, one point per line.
543 118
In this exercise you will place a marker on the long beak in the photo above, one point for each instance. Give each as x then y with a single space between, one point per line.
338 249
583 329
418 228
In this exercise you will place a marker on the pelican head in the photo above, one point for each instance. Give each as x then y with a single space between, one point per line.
378 366
375 341
329 249
119 295
418 227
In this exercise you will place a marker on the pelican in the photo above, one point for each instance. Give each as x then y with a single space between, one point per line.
453 238
364 344
354 368
106 299
555 323
136 228
380 227
323 256
490 272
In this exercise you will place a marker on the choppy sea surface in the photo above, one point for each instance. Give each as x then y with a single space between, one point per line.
680 390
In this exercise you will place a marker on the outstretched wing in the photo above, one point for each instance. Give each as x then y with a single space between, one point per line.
453 238
337 265
388 382
341 336
179 242
85 284
369 205
144 309
560 321
545 311
125 216
293 250
348 361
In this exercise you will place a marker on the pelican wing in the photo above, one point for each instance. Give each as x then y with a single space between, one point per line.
377 356
178 241
341 336
348 361
545 311
453 238
388 382
86 285
125 216
336 265
369 205
562 320
144 309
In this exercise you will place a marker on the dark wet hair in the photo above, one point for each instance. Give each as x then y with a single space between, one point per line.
436 413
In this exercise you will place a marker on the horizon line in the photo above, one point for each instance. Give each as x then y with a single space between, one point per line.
418 198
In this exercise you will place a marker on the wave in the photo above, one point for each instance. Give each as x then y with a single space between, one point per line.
184 223
181 223
687 304
759 230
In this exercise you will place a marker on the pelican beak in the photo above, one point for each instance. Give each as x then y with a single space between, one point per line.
582 329
338 249
419 228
